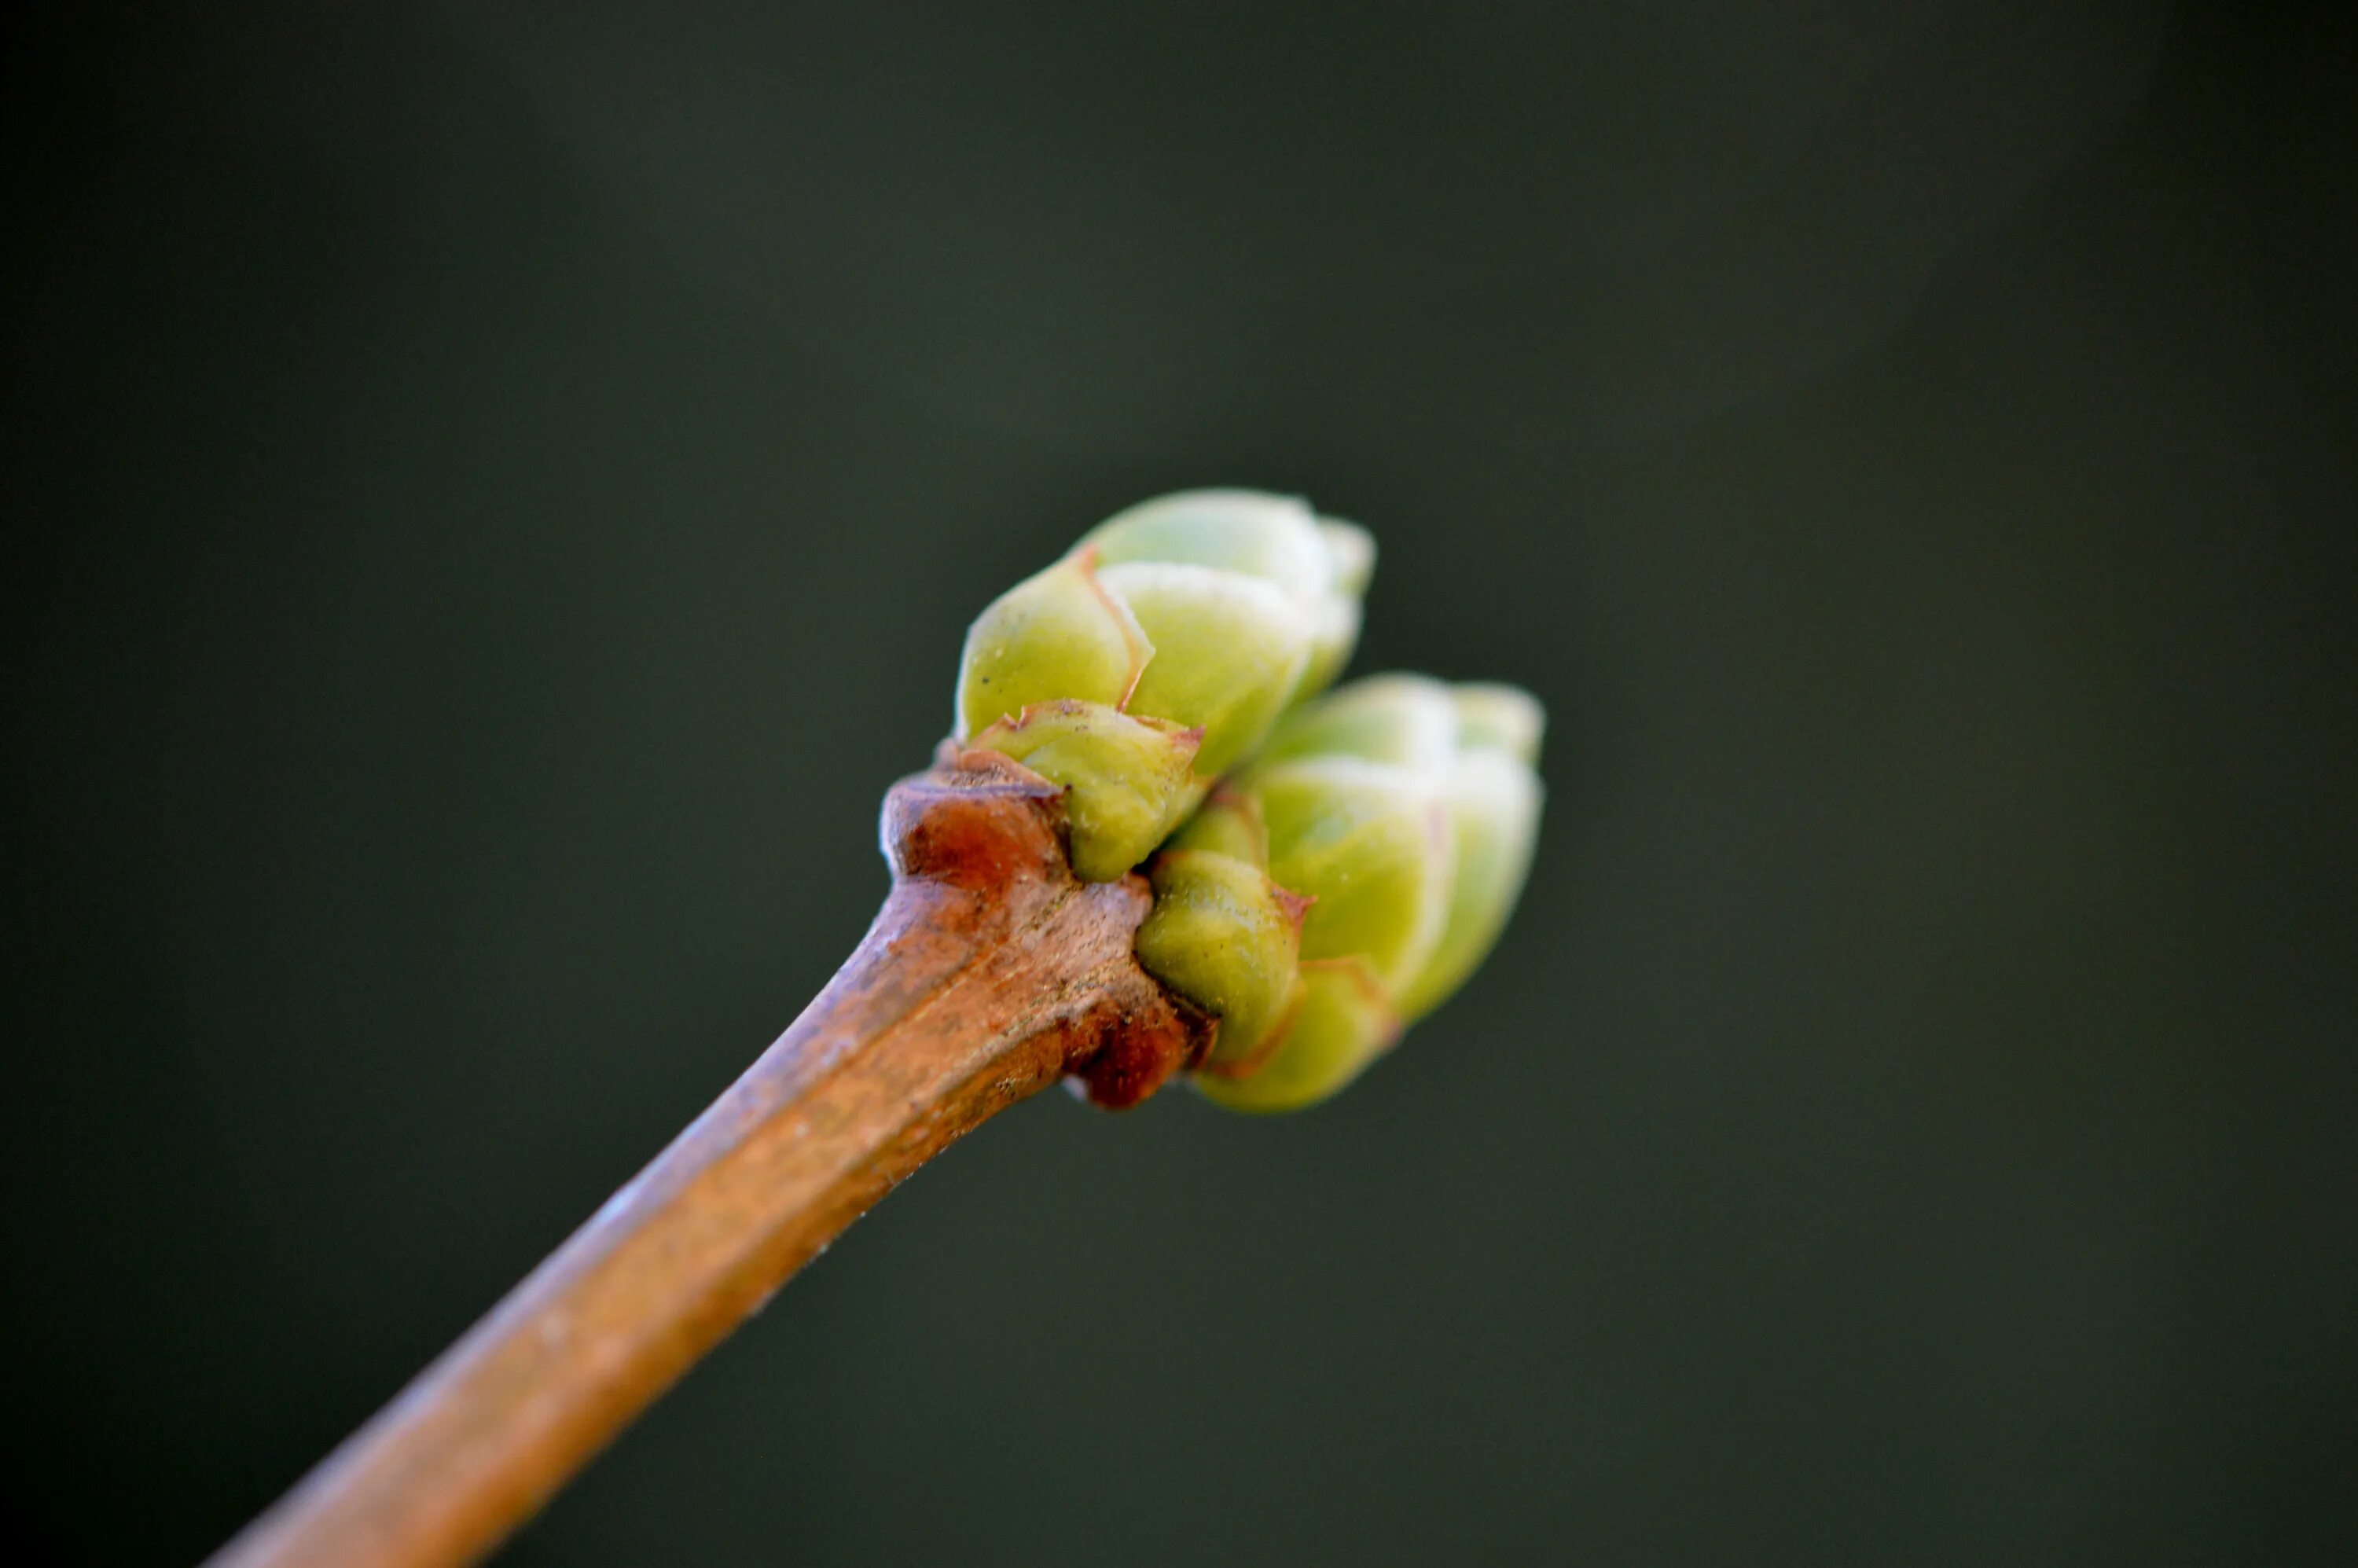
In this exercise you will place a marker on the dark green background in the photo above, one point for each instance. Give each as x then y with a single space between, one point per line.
494 494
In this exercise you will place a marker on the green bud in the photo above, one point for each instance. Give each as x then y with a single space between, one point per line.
1206 612
1405 811
1365 849
1476 743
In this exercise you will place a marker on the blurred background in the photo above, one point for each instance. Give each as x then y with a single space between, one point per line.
494 493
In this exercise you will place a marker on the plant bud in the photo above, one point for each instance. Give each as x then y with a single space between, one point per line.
1205 613
1405 811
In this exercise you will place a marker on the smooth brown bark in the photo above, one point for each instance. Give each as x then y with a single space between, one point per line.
989 973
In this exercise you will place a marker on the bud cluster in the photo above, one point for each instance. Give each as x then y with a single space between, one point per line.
1329 868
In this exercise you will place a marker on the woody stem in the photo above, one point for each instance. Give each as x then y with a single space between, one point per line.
989 973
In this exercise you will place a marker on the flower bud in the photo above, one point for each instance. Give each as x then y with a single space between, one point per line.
1404 811
1203 615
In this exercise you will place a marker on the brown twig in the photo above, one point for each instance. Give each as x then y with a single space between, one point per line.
989 973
